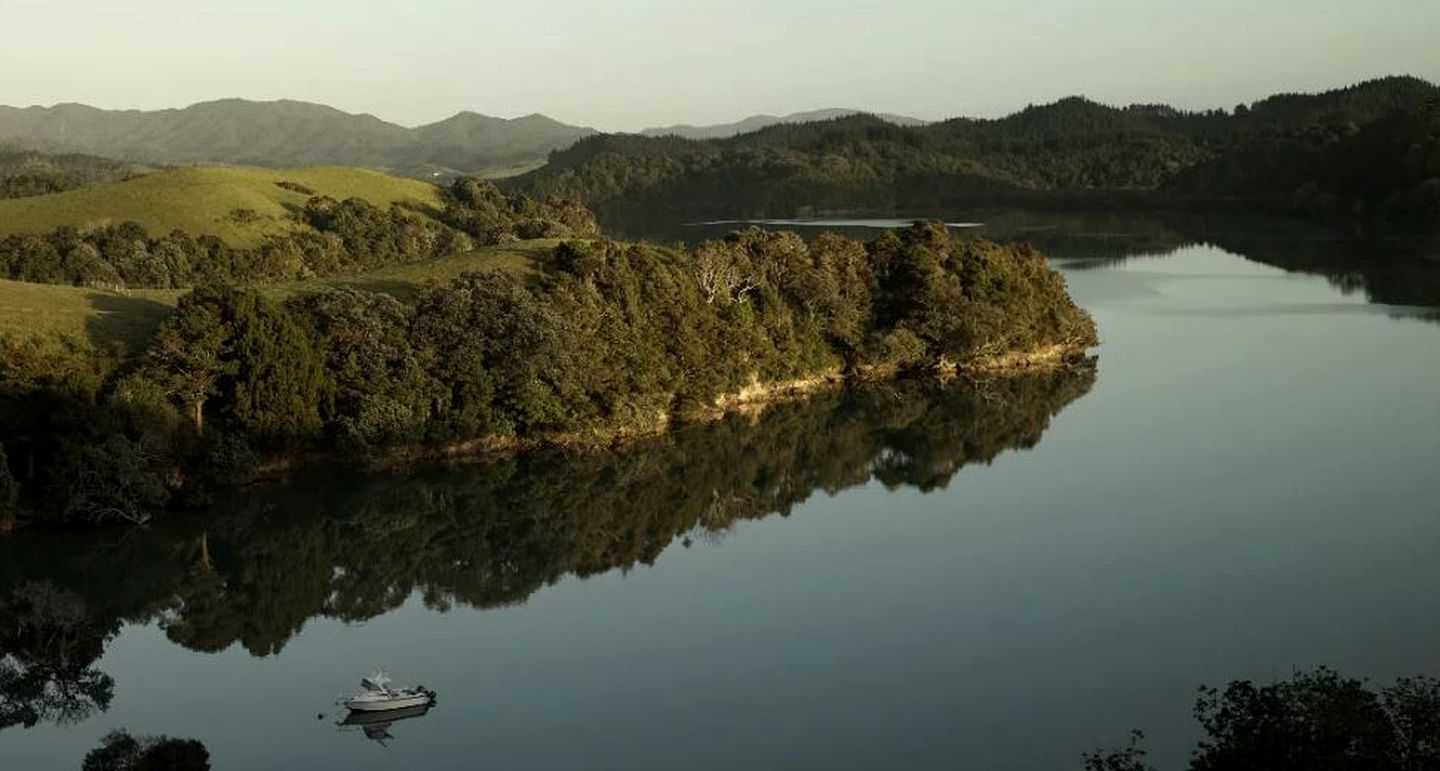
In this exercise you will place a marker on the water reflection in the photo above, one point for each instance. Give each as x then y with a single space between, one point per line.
50 640
253 571
376 725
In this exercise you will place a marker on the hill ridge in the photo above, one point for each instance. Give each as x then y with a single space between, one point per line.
284 132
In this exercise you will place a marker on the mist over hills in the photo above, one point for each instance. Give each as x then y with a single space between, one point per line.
288 133
757 122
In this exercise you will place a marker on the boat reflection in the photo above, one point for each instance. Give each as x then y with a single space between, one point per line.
376 725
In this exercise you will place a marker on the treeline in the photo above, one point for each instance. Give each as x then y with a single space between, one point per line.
26 172
1315 720
1388 168
1071 151
606 337
331 237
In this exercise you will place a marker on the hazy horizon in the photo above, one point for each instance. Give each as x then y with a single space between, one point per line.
626 65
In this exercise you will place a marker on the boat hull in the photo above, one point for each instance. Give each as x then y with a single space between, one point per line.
387 705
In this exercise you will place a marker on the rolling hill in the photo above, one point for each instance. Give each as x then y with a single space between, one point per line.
288 133
107 318
757 122
1071 150
239 204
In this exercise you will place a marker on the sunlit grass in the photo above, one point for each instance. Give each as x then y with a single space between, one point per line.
129 317
202 200
101 317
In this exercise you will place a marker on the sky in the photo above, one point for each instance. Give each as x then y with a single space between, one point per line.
623 65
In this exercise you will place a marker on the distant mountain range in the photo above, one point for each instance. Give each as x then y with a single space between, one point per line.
293 133
757 122
288 133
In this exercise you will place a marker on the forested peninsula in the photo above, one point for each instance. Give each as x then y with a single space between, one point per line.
588 342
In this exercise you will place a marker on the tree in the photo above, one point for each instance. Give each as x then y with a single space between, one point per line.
274 392
190 352
119 751
48 645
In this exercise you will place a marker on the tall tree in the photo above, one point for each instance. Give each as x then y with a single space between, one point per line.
190 351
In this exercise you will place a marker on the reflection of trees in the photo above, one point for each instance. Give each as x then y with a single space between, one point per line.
49 641
1388 267
119 751
1315 720
490 535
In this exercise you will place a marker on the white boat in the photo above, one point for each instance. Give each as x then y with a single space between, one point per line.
377 694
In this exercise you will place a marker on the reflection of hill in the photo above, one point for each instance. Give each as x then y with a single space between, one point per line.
1389 267
255 570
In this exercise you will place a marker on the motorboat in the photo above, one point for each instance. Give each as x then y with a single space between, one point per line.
378 694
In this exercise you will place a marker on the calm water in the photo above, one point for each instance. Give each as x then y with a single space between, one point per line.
998 577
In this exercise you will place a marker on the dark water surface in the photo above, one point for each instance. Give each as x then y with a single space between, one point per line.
997 575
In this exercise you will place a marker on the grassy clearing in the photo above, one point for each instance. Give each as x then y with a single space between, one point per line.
202 200
513 170
128 318
402 281
101 317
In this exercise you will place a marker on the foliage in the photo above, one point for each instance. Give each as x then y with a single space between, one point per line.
1389 167
25 172
48 644
1054 152
261 365
603 339
330 237
254 568
478 208
119 751
1130 758
1314 720
1319 720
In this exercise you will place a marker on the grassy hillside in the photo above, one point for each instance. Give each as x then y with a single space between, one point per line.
129 318
104 318
206 199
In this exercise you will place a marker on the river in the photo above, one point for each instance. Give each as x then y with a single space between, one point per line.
999 575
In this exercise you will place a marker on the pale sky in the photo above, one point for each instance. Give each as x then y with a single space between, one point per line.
622 65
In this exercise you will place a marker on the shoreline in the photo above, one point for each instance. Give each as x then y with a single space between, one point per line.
751 400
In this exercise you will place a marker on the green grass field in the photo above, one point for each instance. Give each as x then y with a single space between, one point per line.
129 318
104 318
201 199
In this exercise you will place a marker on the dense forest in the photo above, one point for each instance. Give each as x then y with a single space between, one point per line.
334 237
603 339
1369 149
